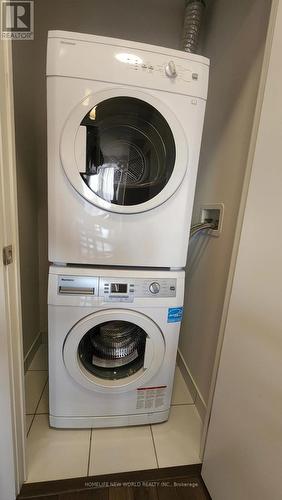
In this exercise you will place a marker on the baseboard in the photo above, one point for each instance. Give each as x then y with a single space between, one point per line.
192 386
44 337
201 407
32 350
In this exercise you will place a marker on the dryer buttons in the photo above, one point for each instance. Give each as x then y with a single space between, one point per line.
154 287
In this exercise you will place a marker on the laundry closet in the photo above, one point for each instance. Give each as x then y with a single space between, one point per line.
233 37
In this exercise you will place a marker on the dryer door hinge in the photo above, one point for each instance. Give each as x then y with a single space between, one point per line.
7 255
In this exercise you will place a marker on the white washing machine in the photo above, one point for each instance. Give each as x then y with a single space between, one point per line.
125 123
113 339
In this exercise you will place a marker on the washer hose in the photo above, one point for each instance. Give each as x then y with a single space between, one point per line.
196 228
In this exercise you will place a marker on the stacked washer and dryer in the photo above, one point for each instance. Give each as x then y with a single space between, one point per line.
125 122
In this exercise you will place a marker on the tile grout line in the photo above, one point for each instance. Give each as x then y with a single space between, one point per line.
41 397
38 369
41 394
29 429
154 447
34 414
89 452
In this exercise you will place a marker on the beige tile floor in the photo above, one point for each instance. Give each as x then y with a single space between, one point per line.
63 453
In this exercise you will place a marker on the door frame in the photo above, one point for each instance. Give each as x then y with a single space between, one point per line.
12 403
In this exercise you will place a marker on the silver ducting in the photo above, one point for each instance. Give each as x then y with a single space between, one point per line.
192 22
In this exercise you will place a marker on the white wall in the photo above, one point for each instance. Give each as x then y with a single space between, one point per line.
153 21
27 174
234 37
244 449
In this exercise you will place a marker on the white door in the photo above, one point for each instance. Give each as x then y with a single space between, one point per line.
123 150
12 428
115 350
243 455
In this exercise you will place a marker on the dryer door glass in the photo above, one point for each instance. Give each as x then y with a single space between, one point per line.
130 151
113 350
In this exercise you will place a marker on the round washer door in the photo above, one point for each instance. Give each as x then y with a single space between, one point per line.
114 350
124 151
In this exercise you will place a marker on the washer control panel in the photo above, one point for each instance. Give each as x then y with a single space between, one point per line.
125 290
116 289
154 287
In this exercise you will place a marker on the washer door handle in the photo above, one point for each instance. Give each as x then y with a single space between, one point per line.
149 352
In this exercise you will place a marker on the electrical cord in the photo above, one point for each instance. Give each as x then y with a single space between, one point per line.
196 228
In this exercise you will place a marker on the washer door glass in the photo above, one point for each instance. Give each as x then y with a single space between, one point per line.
113 350
130 151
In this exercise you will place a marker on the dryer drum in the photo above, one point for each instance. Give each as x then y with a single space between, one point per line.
130 169
130 151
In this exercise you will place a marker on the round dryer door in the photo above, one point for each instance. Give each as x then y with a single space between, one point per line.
124 152
114 350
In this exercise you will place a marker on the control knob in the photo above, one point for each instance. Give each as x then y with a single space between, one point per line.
170 70
154 287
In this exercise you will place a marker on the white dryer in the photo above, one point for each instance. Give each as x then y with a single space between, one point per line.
113 339
125 123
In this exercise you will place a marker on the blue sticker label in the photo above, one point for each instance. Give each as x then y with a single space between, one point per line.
175 314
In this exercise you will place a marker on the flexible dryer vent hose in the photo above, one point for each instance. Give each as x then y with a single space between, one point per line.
192 23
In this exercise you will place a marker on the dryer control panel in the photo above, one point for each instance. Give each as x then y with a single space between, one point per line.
116 61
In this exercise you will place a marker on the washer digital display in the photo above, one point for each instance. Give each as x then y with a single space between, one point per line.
118 287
